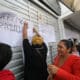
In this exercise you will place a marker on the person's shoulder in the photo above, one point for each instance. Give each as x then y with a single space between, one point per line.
6 75
75 62
75 58
6 71
43 43
25 40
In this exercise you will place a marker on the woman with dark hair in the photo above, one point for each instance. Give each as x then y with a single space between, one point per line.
78 48
5 57
35 56
66 66
75 49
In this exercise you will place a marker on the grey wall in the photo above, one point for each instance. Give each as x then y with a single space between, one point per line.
71 32
32 13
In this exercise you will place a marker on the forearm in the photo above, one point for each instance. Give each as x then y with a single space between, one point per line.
50 77
25 36
25 31
62 74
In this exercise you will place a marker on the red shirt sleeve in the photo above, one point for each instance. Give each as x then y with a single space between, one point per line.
75 75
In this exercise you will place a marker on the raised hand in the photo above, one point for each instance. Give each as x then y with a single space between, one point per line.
24 32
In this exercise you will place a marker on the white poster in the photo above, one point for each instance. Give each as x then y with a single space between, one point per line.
47 32
11 29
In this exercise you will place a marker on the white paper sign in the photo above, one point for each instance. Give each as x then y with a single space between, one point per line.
47 32
11 29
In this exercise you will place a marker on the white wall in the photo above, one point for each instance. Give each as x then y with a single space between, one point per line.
71 32
32 13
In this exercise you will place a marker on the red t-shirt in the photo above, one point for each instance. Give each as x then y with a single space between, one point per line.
70 70
6 75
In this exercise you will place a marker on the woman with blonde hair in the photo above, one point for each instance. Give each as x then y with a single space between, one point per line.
35 56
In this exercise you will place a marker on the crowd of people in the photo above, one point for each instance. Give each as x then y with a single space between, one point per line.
66 64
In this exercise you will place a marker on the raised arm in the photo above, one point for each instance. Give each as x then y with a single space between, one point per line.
24 32
31 58
26 45
35 31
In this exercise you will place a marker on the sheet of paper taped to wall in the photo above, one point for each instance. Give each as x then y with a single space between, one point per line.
11 29
47 32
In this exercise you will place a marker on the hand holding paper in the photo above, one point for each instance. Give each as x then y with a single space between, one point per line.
34 30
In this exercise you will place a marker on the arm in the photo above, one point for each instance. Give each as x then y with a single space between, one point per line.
34 30
26 44
45 49
24 31
68 76
27 47
64 75
29 51
50 77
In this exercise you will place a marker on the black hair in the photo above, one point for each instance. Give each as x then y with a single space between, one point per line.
5 55
74 40
68 44
78 47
